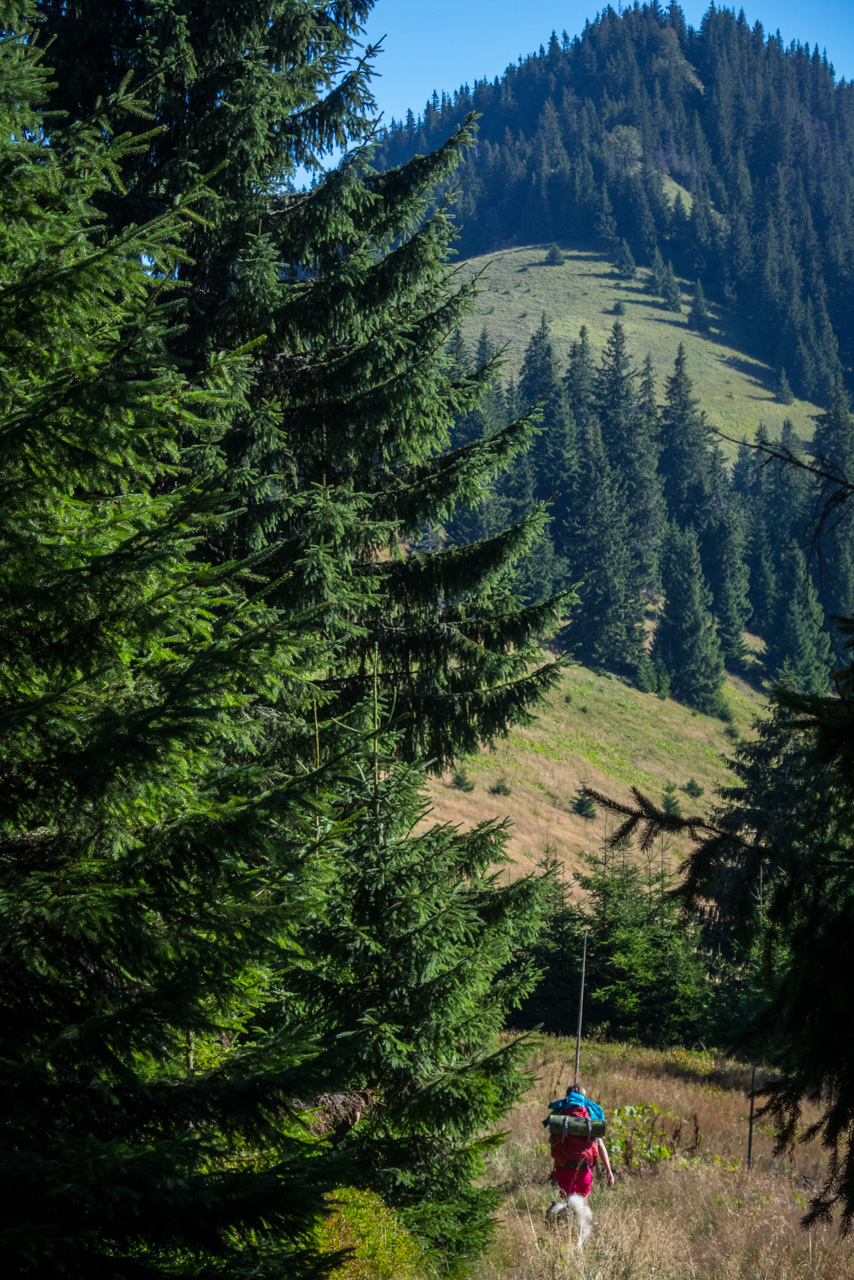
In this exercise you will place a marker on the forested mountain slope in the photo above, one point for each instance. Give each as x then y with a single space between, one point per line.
585 139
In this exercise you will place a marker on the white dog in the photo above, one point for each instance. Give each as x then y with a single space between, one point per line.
580 1210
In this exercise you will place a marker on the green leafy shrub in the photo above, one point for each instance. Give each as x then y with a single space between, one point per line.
379 1246
635 1137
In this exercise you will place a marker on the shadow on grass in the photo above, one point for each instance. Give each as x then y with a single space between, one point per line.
720 1075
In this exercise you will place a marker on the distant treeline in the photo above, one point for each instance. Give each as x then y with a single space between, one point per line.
581 139
651 522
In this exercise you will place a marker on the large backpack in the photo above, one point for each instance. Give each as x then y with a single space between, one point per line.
574 1124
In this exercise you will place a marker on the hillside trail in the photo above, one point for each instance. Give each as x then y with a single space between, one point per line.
685 1206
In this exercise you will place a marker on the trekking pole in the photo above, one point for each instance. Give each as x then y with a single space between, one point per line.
580 1009
750 1131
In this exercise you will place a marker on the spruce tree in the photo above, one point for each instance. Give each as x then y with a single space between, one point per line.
606 224
686 641
580 381
624 261
671 293
553 455
352 394
685 448
774 879
646 978
765 583
834 445
798 646
606 630
410 978
626 409
782 390
658 274
699 317
153 852
723 555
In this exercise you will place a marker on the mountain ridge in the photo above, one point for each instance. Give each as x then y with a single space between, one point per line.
581 139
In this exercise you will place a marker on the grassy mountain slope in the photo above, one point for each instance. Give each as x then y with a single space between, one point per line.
696 1213
735 389
596 730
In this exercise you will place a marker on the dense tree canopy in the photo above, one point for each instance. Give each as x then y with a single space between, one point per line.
199 627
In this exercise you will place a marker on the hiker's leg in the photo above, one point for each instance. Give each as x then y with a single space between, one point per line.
564 1182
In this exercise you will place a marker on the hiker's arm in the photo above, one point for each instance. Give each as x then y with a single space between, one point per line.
603 1151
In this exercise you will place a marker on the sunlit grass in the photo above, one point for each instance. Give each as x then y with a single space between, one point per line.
600 731
700 1215
735 389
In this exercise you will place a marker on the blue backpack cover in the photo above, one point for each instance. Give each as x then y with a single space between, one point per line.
561 1120
575 1099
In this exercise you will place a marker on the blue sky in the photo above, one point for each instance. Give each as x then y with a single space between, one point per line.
440 44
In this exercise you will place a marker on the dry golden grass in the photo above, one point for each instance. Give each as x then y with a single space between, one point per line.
693 1217
595 730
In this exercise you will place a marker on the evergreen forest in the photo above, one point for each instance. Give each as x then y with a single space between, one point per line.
717 153
656 531
278 548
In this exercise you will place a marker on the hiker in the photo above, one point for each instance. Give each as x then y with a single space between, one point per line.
575 1156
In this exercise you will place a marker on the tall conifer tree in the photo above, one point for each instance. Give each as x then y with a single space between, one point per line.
352 390
686 641
685 448
554 453
834 443
580 381
153 850
625 406
798 645
409 979
607 628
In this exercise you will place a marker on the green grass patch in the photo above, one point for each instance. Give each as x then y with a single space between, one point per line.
734 388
